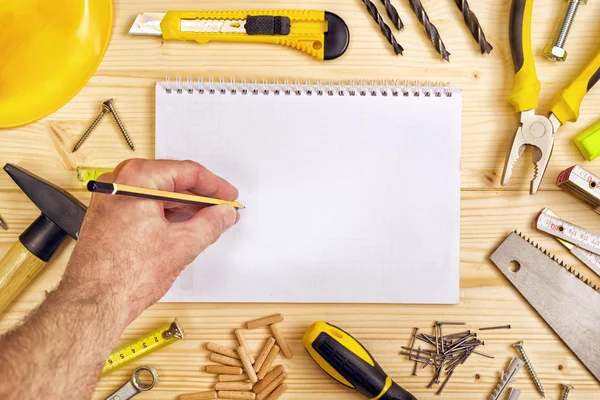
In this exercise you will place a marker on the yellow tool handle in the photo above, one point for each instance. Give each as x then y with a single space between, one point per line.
567 103
17 269
526 90
307 28
346 360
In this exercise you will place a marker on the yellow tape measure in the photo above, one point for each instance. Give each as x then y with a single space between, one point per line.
153 341
85 174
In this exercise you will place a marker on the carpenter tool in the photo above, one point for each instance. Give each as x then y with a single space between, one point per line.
86 174
3 224
474 26
126 136
588 142
514 394
567 301
556 51
430 29
346 360
136 384
393 14
493 328
583 244
566 391
107 106
155 340
582 184
537 130
144 193
62 215
321 34
525 358
507 378
385 29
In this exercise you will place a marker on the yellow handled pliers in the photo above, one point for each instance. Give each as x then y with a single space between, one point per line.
538 130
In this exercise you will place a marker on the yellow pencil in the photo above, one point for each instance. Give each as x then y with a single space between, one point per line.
114 188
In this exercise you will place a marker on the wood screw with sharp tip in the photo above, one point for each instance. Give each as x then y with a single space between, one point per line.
538 384
567 389
111 108
89 130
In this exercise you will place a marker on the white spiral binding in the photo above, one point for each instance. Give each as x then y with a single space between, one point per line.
307 87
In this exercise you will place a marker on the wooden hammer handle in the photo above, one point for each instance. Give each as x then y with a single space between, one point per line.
17 269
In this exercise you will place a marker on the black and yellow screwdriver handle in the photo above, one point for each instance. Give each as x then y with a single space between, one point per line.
344 359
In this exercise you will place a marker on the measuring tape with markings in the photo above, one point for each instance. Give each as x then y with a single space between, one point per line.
142 347
582 184
583 244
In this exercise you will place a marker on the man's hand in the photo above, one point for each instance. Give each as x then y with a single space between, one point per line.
128 254
138 247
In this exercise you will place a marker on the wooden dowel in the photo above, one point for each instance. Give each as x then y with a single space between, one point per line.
217 348
262 395
285 348
224 369
263 354
247 364
221 359
259 323
231 395
268 362
270 377
233 378
277 392
199 396
239 386
239 334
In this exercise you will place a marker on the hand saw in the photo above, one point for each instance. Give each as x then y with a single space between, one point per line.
569 303
321 34
549 222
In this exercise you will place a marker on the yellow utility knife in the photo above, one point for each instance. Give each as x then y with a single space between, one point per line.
321 34
346 360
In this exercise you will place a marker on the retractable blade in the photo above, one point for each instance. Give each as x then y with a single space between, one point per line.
321 34
590 259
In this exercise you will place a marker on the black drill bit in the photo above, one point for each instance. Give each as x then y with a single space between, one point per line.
474 26
430 29
385 29
393 14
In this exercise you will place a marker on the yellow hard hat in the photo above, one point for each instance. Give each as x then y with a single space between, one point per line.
48 52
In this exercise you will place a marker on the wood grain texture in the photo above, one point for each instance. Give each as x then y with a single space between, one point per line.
489 212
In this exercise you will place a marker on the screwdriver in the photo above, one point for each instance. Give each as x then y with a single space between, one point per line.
346 360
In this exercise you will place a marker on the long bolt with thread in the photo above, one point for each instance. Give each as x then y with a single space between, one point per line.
89 130
538 384
108 103
556 50
566 390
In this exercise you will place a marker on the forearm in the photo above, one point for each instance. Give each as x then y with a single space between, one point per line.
60 350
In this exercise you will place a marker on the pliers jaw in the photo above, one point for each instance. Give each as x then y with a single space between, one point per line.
536 131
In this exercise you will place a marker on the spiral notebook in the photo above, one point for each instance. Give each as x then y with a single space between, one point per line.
352 191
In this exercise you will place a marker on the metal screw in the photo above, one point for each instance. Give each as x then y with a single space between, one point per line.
538 385
567 389
108 103
89 130
556 51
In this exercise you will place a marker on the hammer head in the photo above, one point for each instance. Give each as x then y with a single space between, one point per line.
64 210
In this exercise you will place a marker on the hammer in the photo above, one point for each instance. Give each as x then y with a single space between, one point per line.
62 215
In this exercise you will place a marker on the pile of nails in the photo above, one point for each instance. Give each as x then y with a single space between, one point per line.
449 351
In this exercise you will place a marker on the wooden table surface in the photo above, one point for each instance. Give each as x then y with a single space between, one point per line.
489 212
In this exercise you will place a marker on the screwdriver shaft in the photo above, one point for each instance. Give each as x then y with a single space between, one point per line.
430 29
474 26
385 29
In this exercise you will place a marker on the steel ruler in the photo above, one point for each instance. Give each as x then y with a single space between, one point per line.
582 243
567 301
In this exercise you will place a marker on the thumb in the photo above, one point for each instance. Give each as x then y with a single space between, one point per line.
207 225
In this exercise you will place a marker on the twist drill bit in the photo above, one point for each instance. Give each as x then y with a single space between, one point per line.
393 14
474 26
385 29
430 29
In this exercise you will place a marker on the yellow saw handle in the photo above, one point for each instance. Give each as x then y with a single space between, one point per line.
526 90
346 360
567 103
307 28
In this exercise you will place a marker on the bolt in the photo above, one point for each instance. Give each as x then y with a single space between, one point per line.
111 108
538 385
567 389
556 51
89 130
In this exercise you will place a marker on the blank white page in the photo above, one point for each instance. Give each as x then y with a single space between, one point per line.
350 199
